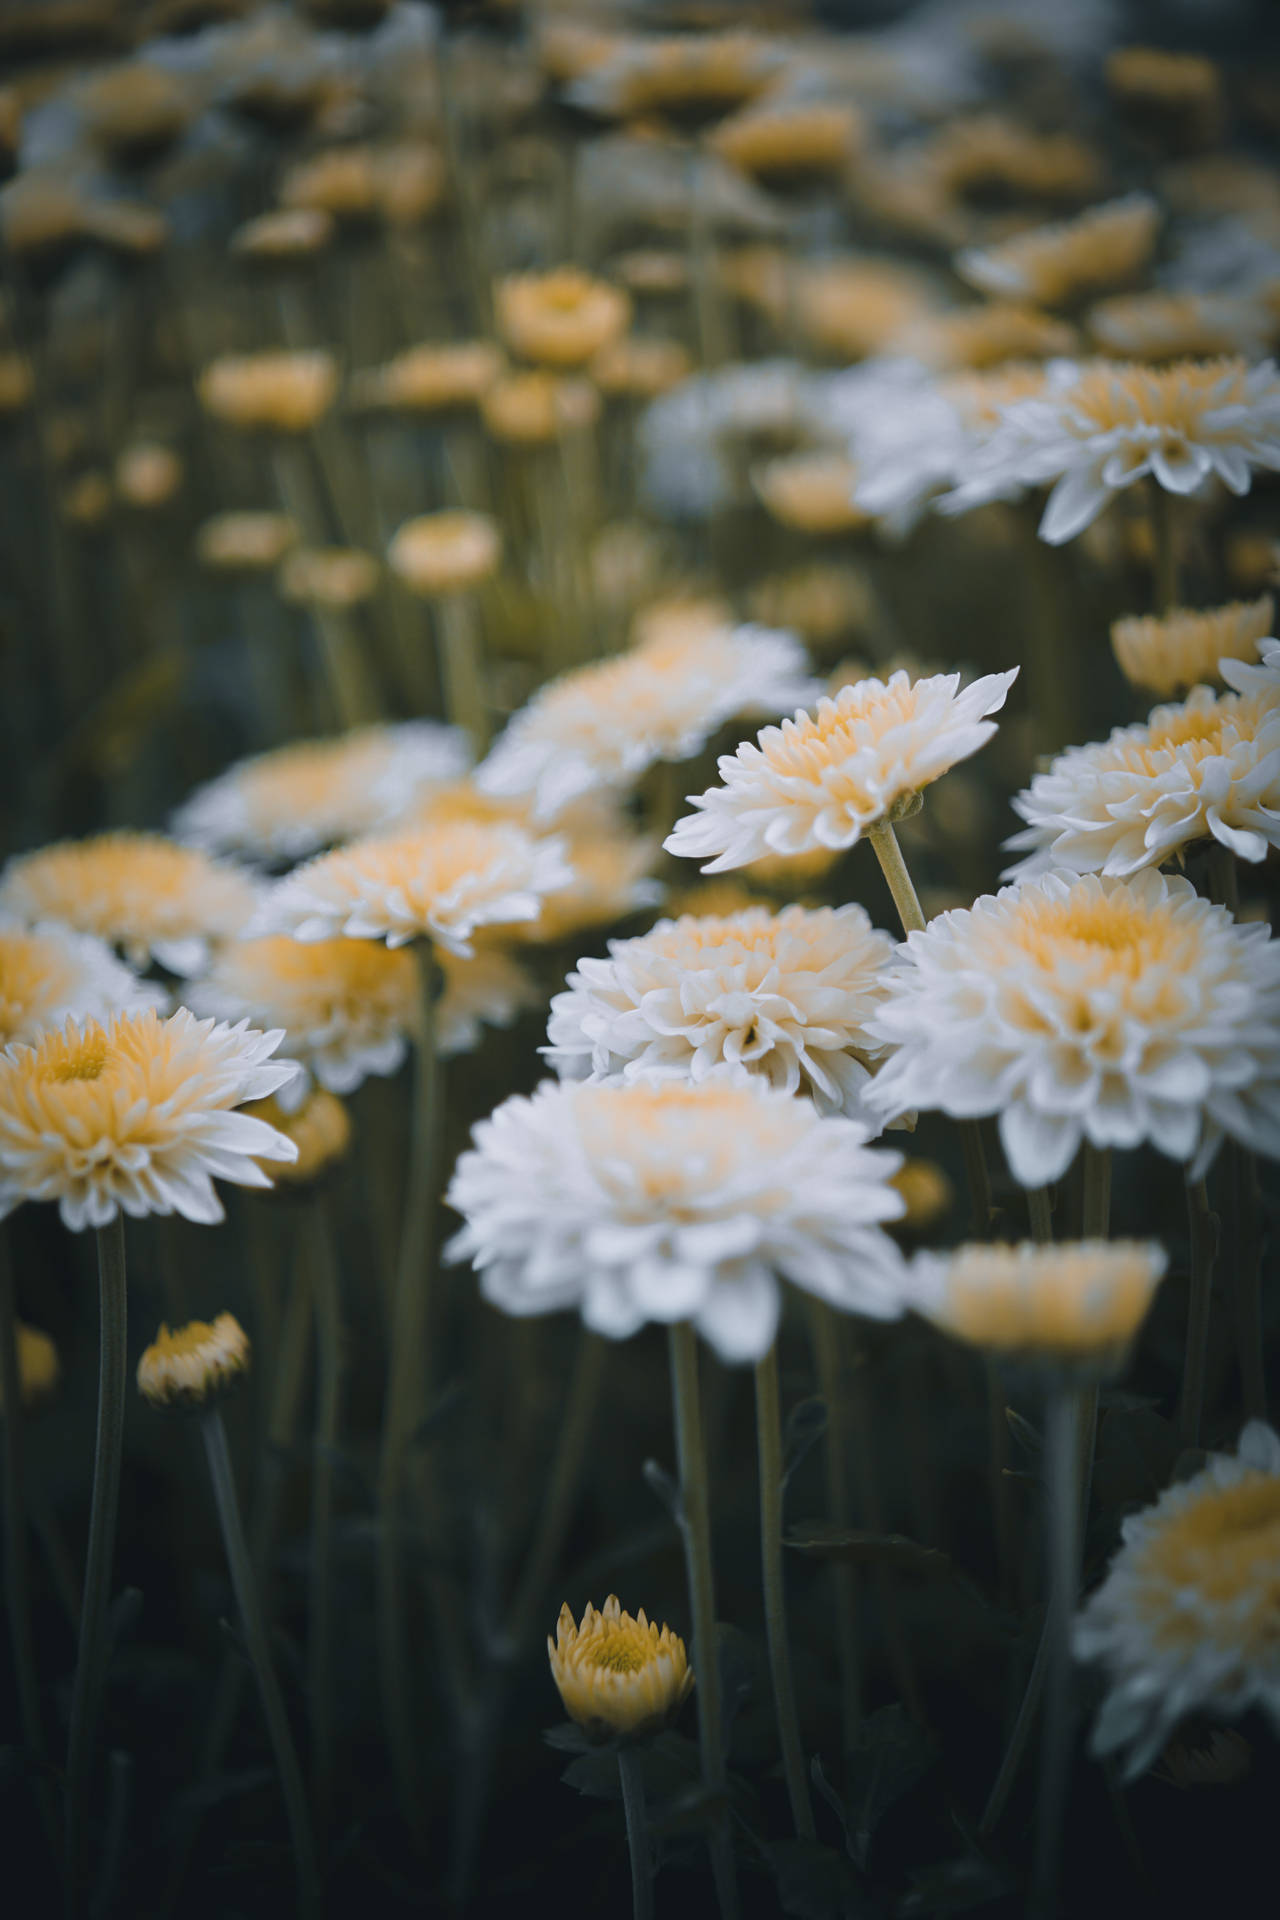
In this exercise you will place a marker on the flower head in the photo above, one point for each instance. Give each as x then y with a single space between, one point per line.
39 1368
668 1202
1078 1304
248 542
822 780
1185 1620
1088 1009
813 492
616 1674
319 1127
787 140
784 995
328 577
531 408
1209 766
48 972
138 891
1106 247
434 378
280 391
1169 654
560 319
291 802
603 725
1180 326
136 1117
440 553
440 884
194 1365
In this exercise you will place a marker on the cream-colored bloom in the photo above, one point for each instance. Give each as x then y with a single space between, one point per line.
136 1117
1181 326
603 725
1185 1621
138 891
439 884
1106 247
281 391
530 409
679 73
812 492
784 995
616 1674
822 780
439 553
328 577
248 541
1079 1009
195 1364
1209 766
50 971
319 1127
1075 1305
294 800
148 474
560 319
986 336
669 1202
1169 653
1111 425
285 233
432 378
39 1367
787 139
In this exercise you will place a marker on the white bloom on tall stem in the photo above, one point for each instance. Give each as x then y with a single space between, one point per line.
822 780
1089 1009
136 1117
602 726
782 995
676 1202
1185 1621
48 972
1117 423
1207 767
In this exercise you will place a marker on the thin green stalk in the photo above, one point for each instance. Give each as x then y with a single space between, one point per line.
320 1645
17 1565
696 1527
406 1388
562 1486
1245 1269
462 666
1040 1210
897 1645
1164 566
769 1456
254 1625
830 1340
998 1479
91 1661
631 1775
1062 1471
1203 1225
1096 1209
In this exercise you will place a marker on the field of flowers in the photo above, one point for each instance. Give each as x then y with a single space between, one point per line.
639 1030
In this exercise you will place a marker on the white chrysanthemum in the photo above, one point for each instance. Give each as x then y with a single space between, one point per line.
1208 766
783 995
1089 1009
1184 648
821 781
1116 423
48 972
1185 1621
297 799
138 891
603 725
669 1202
136 1117
438 883
1262 679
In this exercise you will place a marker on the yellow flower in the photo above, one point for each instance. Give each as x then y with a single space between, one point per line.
439 553
1168 654
560 319
849 309
988 154
328 576
790 141
1177 94
616 1674
38 1366
320 1129
639 367
194 1365
148 474
286 233
430 379
245 540
987 336
1178 326
811 492
136 108
684 74
528 409
279 391
1106 247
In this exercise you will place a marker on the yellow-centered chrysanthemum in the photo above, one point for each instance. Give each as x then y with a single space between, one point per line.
1170 653
272 391
194 1364
441 553
1106 247
1186 1619
140 892
616 1674
560 319
48 972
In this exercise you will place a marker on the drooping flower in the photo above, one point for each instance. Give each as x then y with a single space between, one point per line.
616 1674
1169 654
50 971
1074 1306
785 996
1185 1621
822 780
602 726
1108 246
1114 423
1088 1009
137 1117
439 884
1209 766
138 891
655 1201
194 1364
293 801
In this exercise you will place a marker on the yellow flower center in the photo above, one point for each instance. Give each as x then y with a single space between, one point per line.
1170 397
85 1060
1225 1547
621 1652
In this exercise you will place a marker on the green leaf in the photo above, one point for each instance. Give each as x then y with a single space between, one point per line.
855 1544
890 1756
957 1886
595 1774
816 1882
568 1737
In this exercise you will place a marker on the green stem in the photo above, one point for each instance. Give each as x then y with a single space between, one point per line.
1040 1210
631 1775
462 666
320 1646
254 1625
696 1527
1203 1227
998 1479
17 1566
1246 1271
1165 558
1062 1471
406 1388
1096 1209
91 1662
769 1455
830 1341
562 1486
